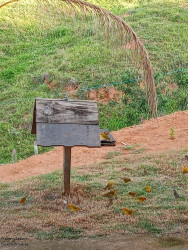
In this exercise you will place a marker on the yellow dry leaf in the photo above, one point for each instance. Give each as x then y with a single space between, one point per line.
148 189
73 207
141 198
128 211
184 170
23 199
126 179
104 136
109 185
133 194
110 194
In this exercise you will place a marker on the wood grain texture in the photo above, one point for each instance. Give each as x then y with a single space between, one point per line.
58 111
68 135
34 130
66 170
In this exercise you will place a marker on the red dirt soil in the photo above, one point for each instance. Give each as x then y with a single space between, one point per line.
102 95
153 135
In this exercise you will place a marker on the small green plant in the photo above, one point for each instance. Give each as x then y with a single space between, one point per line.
117 153
139 150
130 147
172 133
110 155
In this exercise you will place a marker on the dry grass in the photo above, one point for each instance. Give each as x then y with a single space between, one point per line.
45 216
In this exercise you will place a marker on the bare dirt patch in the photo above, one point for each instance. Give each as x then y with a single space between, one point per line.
151 136
141 242
103 95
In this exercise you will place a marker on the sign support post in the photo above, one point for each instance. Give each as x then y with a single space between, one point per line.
66 170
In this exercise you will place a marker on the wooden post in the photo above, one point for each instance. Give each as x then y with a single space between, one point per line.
66 170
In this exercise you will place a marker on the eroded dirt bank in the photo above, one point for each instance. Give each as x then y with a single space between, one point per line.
151 136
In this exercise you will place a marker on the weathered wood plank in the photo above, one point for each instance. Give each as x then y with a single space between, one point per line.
66 170
33 130
66 112
68 135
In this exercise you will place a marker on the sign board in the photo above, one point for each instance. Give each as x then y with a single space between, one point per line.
57 122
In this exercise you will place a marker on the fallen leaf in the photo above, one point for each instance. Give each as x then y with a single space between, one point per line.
133 194
141 198
73 208
104 136
126 179
184 170
23 199
148 189
128 211
110 194
109 185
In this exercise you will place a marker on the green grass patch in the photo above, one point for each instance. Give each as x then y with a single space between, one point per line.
111 155
130 147
139 151
61 233
149 226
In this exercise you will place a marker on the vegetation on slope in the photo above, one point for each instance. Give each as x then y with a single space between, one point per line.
38 43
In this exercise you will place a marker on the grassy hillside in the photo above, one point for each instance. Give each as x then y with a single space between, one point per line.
35 42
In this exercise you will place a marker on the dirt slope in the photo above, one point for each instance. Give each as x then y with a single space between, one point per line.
152 135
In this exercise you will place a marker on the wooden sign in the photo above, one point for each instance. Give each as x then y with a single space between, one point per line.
58 122
66 123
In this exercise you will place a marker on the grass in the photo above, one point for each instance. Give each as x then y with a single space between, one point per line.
32 45
44 215
149 226
61 233
139 150
130 147
170 242
111 155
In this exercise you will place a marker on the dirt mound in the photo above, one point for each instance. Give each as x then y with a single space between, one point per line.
152 135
